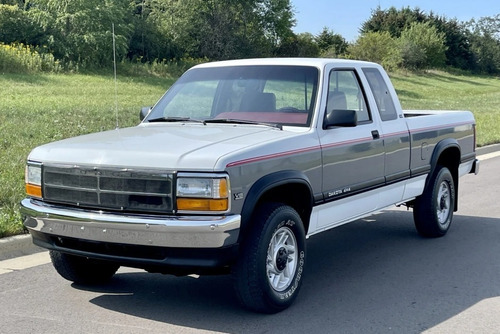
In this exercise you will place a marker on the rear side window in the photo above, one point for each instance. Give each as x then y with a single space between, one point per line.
380 91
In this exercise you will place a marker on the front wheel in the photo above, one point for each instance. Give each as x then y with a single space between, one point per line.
82 270
433 210
268 275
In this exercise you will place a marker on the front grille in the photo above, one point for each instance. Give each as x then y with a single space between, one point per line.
106 188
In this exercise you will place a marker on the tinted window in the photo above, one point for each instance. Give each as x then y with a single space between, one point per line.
381 94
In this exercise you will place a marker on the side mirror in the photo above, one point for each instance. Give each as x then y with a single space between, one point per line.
340 117
144 112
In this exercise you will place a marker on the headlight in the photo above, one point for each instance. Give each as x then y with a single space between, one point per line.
33 179
202 193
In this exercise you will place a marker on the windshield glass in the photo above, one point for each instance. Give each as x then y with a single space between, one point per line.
282 95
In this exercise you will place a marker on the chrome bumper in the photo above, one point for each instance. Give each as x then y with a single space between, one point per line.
144 230
475 167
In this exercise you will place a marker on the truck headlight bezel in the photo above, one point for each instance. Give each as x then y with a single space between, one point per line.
33 179
202 193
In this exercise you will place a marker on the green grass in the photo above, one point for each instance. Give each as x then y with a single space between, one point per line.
41 108
440 90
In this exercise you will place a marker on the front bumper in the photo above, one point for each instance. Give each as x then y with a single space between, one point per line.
143 230
175 245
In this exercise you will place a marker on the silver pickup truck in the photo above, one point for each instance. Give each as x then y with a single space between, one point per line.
236 166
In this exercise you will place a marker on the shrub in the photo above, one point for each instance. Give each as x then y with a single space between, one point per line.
422 46
173 68
20 58
378 47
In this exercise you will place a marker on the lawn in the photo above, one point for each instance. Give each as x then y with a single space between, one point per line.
37 109
440 90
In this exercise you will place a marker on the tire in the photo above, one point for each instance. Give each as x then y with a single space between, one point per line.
268 275
433 210
82 270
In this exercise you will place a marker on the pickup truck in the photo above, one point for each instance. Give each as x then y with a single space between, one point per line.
236 166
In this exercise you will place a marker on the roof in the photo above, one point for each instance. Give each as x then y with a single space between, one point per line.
316 62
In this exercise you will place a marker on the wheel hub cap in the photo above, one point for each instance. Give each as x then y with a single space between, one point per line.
282 259
444 203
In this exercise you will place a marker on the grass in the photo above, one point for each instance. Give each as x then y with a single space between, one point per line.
441 90
41 108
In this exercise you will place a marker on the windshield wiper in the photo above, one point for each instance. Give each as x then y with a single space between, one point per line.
175 119
240 121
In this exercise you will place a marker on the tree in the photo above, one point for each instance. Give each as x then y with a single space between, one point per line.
277 19
331 44
301 45
422 46
392 20
378 47
458 52
223 29
485 43
80 31
17 27
150 39
458 48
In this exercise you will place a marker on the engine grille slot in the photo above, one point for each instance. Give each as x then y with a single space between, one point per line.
124 190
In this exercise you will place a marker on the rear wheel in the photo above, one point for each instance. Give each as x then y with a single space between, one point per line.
433 210
268 275
82 270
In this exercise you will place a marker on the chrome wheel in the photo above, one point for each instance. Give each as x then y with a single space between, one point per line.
282 259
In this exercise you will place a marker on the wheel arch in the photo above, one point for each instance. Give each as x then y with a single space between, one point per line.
288 187
447 154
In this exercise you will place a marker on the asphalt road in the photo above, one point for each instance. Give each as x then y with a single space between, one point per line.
372 276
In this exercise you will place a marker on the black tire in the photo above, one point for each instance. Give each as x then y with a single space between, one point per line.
268 275
433 210
82 270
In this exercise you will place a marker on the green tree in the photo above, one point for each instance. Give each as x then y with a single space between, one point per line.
485 43
301 45
331 44
458 48
378 47
16 26
222 29
80 31
422 46
392 20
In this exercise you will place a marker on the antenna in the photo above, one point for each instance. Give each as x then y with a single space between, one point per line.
114 71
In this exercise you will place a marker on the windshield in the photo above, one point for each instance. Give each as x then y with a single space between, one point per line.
282 95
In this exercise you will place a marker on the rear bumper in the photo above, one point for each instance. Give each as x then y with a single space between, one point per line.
142 241
475 167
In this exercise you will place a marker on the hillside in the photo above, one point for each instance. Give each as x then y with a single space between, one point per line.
36 109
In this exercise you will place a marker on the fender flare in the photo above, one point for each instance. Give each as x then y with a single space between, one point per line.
267 183
439 149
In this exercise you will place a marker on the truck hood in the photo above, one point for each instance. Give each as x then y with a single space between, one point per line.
180 146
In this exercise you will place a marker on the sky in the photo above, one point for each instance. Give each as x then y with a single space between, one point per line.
346 17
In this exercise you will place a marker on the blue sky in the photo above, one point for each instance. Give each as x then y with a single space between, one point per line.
346 17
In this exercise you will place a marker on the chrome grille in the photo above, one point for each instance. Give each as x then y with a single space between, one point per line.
124 190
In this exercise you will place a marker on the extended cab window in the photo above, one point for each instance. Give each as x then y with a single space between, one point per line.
344 93
381 94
